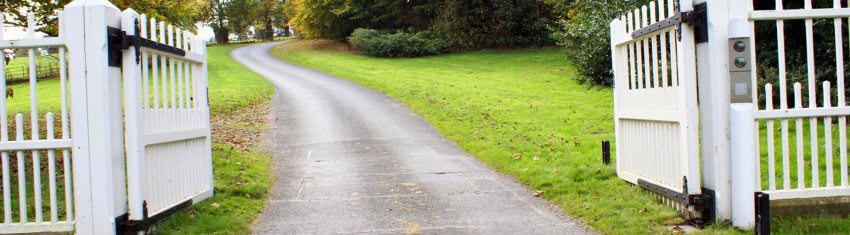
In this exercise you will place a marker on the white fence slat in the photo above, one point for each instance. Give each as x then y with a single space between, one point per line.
51 158
66 153
810 57
155 74
653 42
178 38
631 47
842 120
770 147
7 194
798 104
22 180
663 40
827 129
4 136
164 74
172 78
646 62
639 56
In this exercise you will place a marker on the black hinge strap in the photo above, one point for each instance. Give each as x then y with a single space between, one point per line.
133 226
119 40
695 18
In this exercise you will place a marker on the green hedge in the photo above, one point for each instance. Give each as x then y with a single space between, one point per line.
586 36
399 44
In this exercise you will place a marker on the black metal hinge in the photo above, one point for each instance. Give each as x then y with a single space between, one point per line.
696 18
128 226
702 203
119 40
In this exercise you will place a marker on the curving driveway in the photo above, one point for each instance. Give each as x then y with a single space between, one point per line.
353 160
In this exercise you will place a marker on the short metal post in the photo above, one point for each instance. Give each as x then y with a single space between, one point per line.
762 202
606 152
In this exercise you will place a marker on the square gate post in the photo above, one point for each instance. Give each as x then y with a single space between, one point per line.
714 100
95 96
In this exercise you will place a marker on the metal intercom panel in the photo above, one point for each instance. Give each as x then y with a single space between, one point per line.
740 68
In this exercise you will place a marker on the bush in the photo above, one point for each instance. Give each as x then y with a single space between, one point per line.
467 25
399 44
586 36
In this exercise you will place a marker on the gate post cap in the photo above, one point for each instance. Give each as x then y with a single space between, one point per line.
739 28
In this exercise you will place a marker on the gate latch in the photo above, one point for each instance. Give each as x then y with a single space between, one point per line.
696 18
119 40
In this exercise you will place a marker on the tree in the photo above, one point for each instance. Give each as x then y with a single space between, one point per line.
339 18
183 14
268 14
45 11
216 14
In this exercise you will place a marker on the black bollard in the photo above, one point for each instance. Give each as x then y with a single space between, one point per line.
606 152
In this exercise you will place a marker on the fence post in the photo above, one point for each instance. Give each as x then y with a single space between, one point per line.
95 96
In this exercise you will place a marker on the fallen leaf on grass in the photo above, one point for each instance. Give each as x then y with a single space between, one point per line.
536 158
215 205
518 156
642 210
677 229
537 193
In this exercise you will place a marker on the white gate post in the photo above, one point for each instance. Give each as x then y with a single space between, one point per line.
714 108
715 96
95 88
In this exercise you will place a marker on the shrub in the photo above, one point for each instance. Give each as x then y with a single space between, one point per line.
586 36
467 25
400 44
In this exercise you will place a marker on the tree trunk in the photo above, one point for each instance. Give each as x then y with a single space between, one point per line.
222 36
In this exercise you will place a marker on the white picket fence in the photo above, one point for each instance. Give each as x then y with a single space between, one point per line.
807 181
166 128
33 145
655 103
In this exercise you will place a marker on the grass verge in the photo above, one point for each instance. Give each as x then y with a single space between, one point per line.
521 113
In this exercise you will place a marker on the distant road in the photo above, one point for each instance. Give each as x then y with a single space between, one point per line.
353 160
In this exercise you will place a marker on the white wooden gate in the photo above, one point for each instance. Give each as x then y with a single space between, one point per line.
656 103
164 120
169 159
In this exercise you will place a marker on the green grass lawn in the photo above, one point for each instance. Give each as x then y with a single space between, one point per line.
498 105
